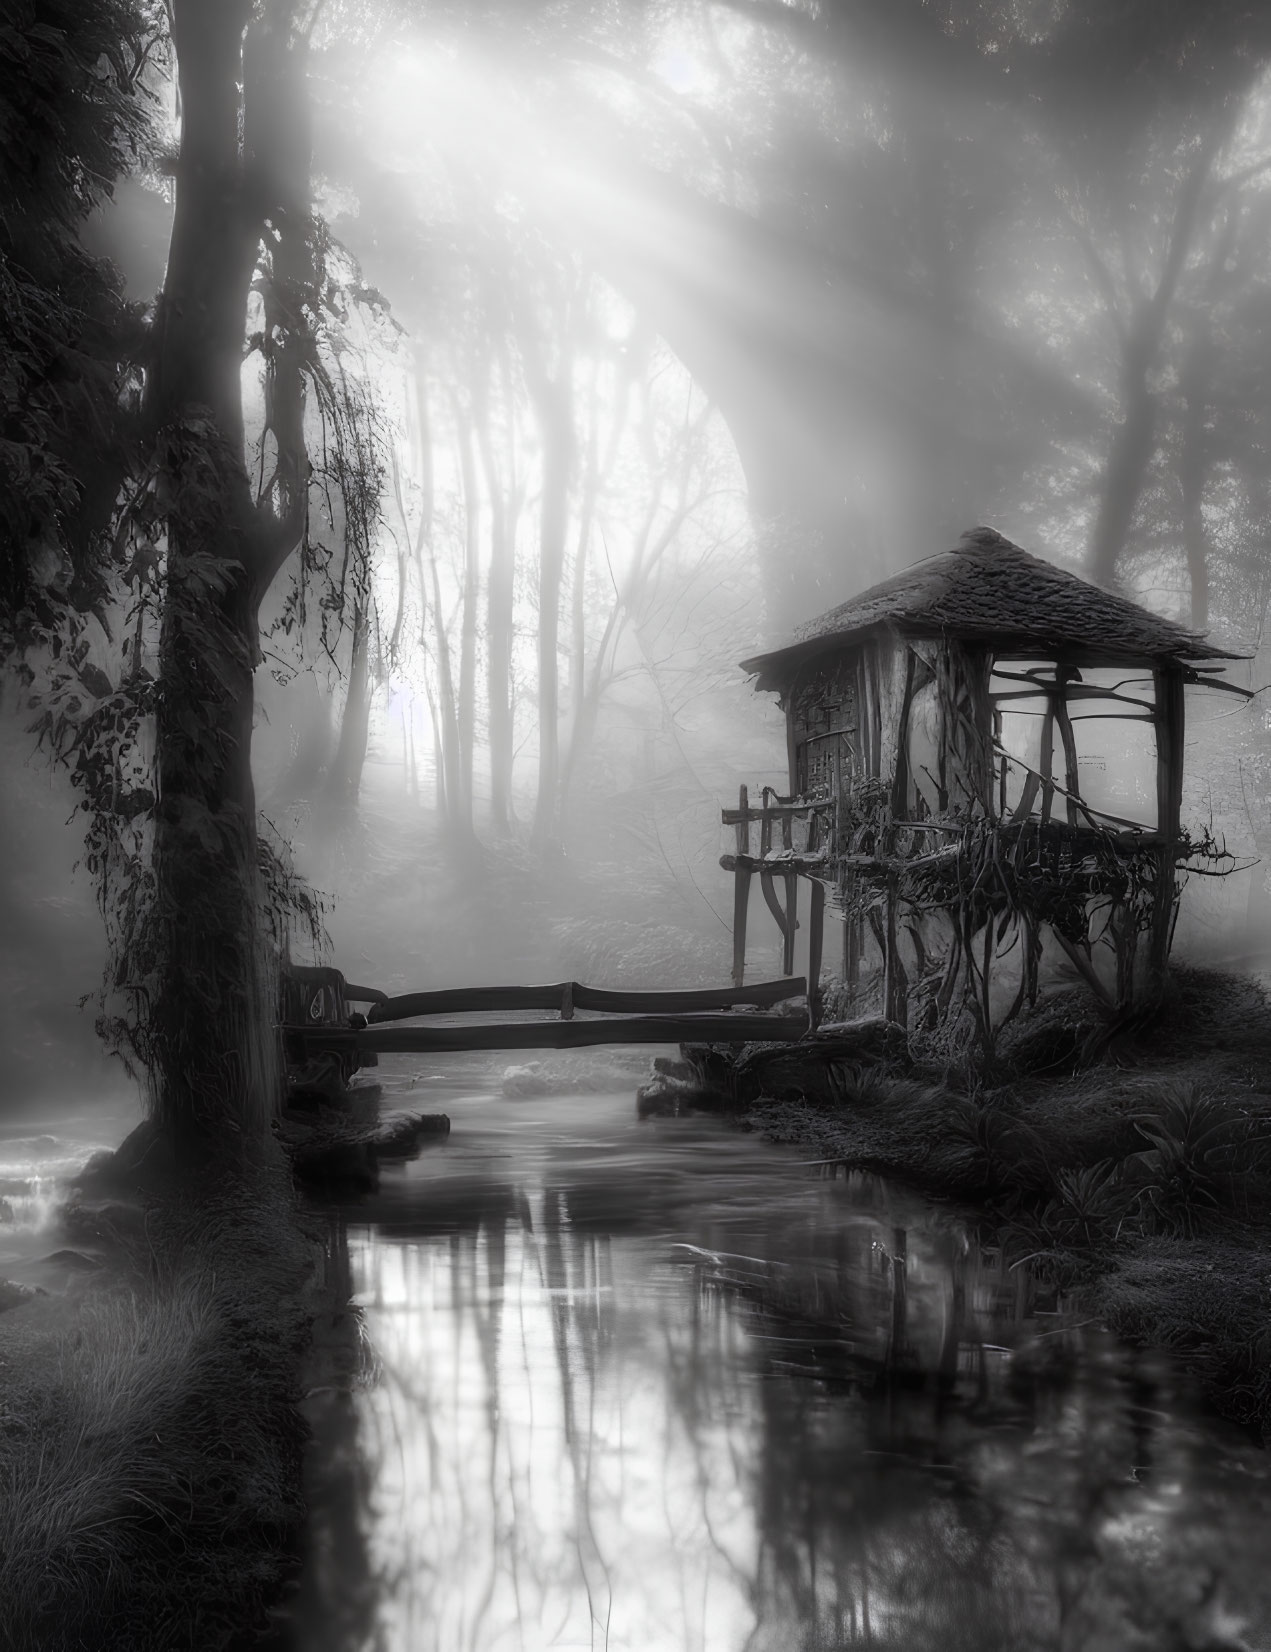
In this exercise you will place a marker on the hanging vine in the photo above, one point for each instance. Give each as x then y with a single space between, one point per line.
993 887
93 681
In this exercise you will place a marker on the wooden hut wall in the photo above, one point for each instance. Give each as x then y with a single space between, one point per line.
946 752
923 738
914 714
966 746
823 724
884 667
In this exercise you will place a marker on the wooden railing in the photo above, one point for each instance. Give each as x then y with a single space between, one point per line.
788 862
632 1018
568 996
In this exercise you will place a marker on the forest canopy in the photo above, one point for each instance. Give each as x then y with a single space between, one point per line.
512 369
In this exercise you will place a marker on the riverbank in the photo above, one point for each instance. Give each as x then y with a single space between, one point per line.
1141 1182
151 1444
157 1398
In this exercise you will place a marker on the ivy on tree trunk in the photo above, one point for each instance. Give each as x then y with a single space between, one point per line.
243 164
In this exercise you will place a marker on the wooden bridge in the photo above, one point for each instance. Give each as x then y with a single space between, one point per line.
317 1021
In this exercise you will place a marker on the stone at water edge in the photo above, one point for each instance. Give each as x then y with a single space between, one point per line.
13 1295
400 1135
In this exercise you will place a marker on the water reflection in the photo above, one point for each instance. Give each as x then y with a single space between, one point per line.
669 1392
337 1604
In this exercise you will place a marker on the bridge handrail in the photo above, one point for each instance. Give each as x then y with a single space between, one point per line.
567 996
554 1035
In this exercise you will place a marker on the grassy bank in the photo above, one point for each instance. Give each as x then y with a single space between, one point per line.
150 1442
1140 1180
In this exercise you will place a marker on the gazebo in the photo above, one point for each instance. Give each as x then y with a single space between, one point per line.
985 766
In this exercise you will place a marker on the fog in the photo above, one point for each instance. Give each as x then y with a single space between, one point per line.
656 330
411 417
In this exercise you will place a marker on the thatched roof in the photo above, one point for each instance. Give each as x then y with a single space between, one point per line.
988 590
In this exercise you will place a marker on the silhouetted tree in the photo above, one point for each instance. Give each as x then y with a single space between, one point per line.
150 504
74 117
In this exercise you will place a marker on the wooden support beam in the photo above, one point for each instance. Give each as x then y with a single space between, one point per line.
1170 725
1072 780
816 940
1028 796
779 810
741 887
1004 766
1045 763
895 980
786 916
853 946
808 866
770 897
1170 713
741 906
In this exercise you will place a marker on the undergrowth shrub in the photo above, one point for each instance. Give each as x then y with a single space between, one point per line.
1007 1150
1092 1206
859 1084
1203 1154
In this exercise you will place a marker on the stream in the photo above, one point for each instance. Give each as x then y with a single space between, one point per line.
657 1386
587 1381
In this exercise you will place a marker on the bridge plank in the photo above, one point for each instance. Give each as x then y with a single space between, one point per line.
452 1000
556 1035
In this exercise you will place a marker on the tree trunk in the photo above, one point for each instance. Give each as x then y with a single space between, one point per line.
590 494
504 510
458 810
1195 455
1193 466
555 508
1134 442
208 1028
198 360
1129 456
212 1050
278 155
465 709
553 405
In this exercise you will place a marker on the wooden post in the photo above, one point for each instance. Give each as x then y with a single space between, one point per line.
741 889
816 935
895 981
785 914
1072 774
791 923
853 941
1168 721
792 898
1001 760
1045 763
